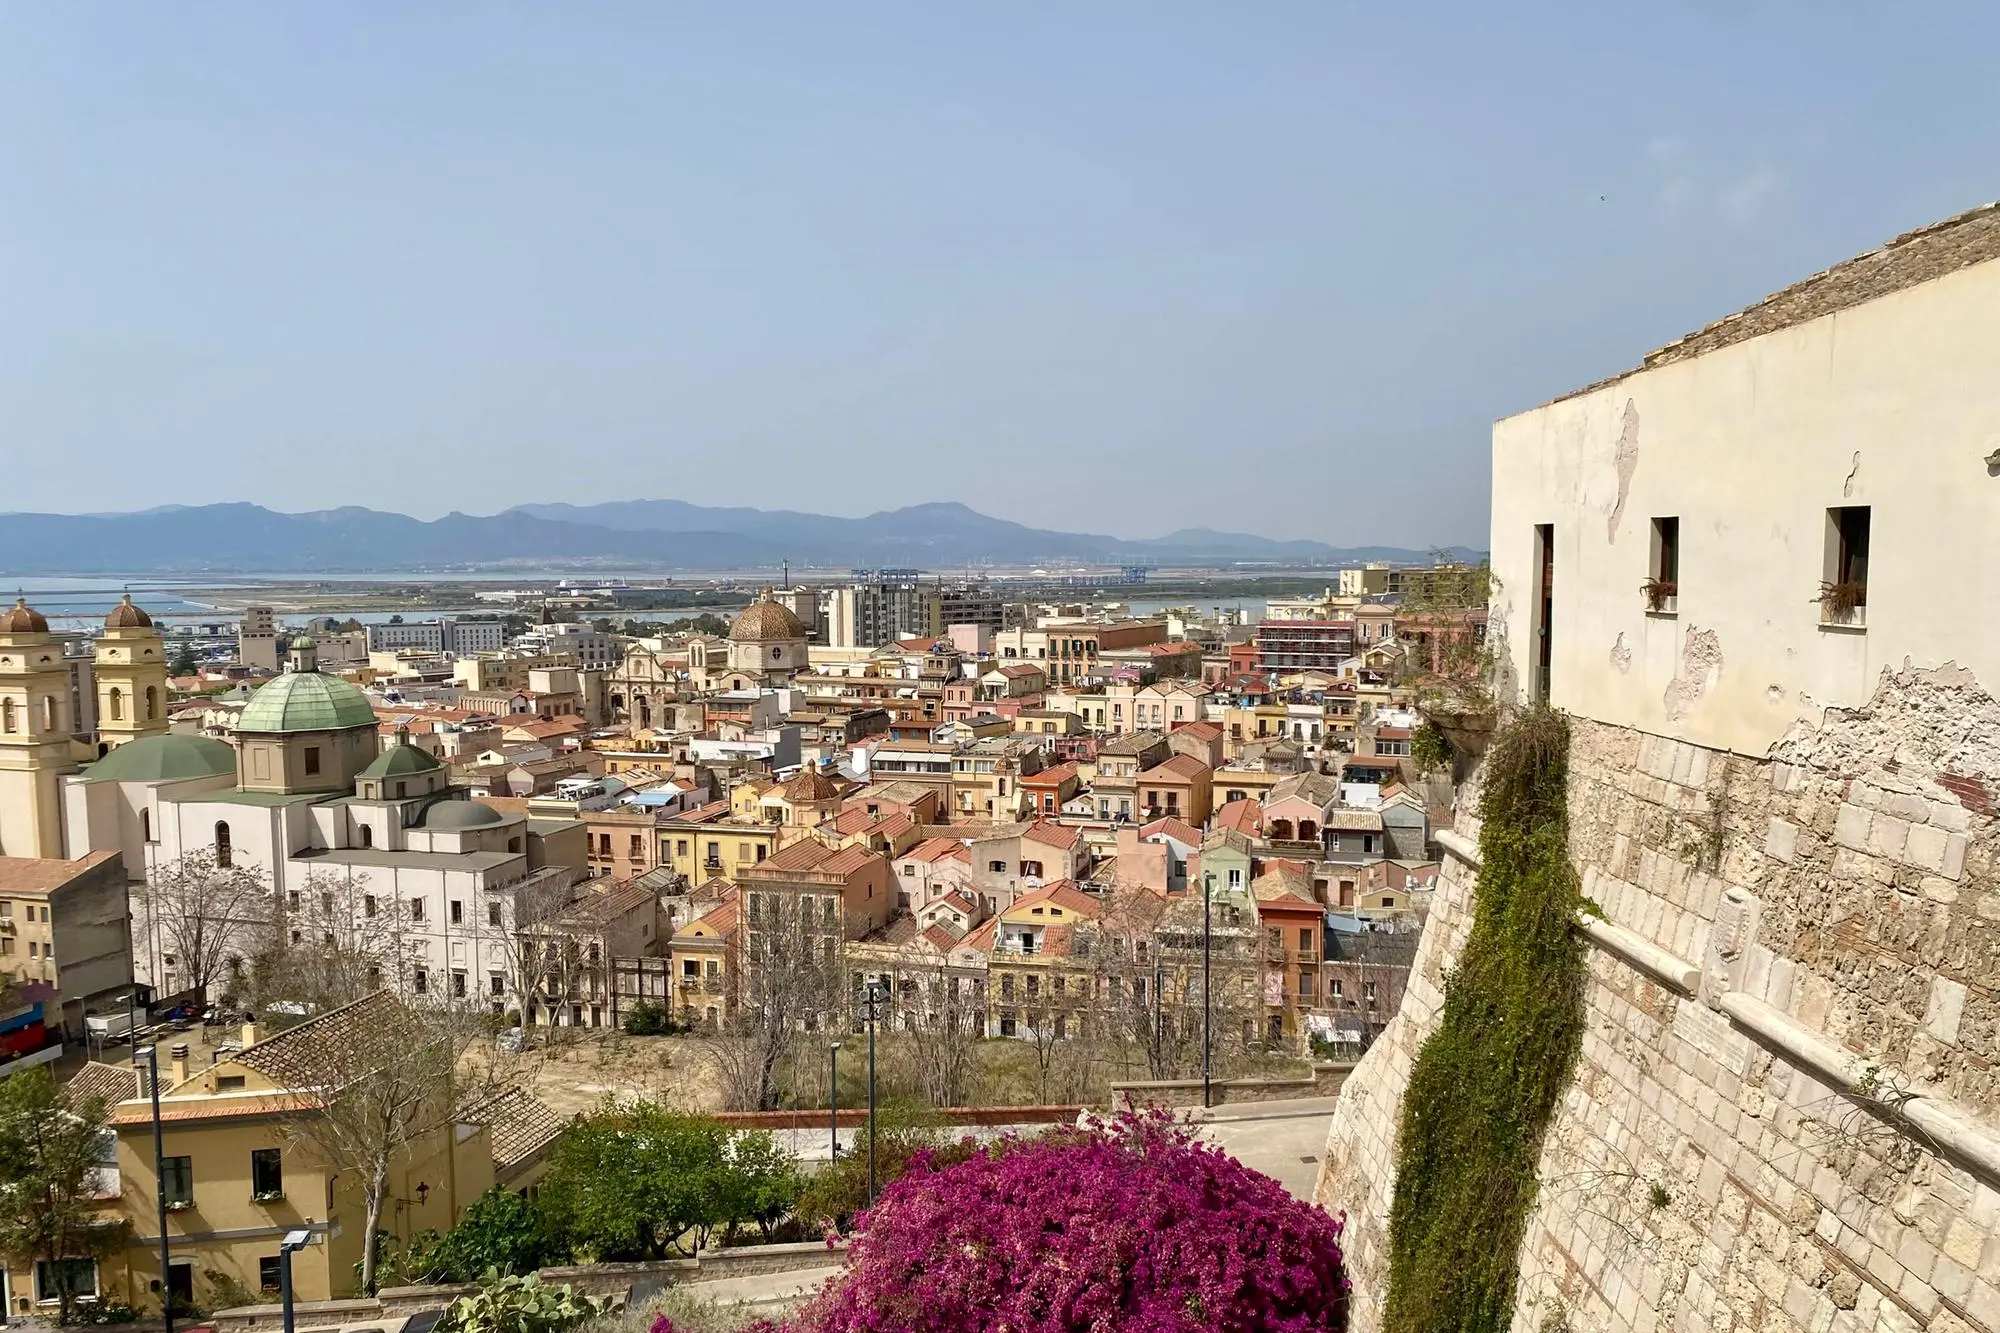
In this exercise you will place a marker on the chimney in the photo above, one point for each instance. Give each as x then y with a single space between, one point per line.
180 1061
250 1034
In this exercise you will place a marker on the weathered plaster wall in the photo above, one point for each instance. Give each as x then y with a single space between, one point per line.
1892 404
1698 1176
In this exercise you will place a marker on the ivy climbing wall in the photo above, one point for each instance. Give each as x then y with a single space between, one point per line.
1786 1114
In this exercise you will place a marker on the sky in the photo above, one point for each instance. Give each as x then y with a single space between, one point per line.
1120 267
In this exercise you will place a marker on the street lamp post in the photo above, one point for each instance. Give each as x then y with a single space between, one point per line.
152 1057
874 992
833 1101
293 1242
1207 897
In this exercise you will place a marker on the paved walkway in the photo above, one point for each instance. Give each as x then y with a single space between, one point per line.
1284 1140
762 1288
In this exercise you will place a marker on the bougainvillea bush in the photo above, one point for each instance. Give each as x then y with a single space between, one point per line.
1133 1226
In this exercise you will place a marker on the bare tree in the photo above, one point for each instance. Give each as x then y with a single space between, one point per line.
202 920
341 939
787 971
543 961
947 1020
1147 979
388 1076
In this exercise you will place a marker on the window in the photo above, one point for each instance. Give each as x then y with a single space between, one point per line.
1235 877
117 701
369 905
680 846
416 909
54 1276
267 1272
267 1174
367 836
1333 990
1664 567
997 867
7 722
224 854
146 825
1306 940
1388 900
496 983
458 984
229 1082
1006 985
1305 986
457 912
1844 584
152 702
312 760
177 1175
420 981
1368 993
493 914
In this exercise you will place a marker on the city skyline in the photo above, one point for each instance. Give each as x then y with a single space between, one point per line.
1291 264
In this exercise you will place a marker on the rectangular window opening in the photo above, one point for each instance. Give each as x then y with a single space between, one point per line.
1843 592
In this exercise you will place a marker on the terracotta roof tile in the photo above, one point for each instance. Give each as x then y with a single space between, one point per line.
522 1126
1059 836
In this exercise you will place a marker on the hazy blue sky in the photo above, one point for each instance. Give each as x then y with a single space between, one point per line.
1127 267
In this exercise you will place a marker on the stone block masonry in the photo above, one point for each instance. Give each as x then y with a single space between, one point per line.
1806 1139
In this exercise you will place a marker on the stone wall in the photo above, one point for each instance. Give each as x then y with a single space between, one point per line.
1787 1113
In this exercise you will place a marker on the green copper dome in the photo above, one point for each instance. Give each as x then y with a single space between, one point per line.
306 701
401 761
163 759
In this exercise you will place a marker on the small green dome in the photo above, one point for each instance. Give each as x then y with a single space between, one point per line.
163 759
306 701
461 814
401 761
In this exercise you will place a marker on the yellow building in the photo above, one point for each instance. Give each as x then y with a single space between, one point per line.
130 667
35 729
706 843
241 1172
699 955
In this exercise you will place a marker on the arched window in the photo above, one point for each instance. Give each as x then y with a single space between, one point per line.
223 852
152 702
117 699
146 825
7 722
51 713
367 836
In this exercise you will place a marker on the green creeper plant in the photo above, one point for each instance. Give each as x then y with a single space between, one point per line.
1487 1082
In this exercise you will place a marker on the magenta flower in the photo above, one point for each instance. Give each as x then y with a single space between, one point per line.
1129 1227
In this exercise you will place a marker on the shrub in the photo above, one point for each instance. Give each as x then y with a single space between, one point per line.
520 1305
646 1019
1135 1226
1486 1082
501 1231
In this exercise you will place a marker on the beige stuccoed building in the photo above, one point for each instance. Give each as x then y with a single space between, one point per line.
1753 572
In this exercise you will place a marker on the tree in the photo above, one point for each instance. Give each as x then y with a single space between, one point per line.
633 1180
203 918
52 1148
948 1024
787 969
183 663
340 940
389 1076
761 1183
1147 982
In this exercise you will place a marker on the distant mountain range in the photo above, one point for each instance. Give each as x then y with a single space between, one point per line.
639 534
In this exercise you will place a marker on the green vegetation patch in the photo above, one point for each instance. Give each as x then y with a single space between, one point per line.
1488 1080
